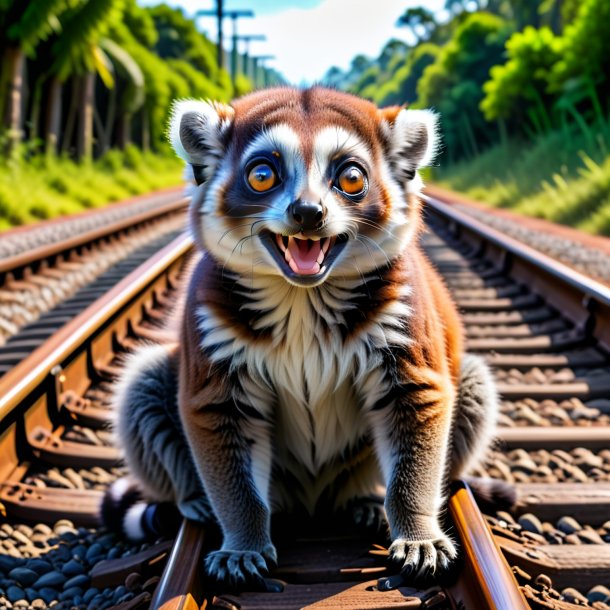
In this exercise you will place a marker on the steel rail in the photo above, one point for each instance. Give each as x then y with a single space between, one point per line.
484 580
25 377
583 300
41 253
541 261
487 582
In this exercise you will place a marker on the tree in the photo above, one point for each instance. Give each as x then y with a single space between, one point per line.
22 27
179 38
402 87
586 47
518 89
78 55
419 20
126 96
452 84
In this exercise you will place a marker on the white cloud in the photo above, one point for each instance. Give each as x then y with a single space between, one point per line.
306 42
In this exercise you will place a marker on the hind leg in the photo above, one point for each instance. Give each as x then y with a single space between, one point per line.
476 415
150 433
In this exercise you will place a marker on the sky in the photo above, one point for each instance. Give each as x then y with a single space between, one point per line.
307 37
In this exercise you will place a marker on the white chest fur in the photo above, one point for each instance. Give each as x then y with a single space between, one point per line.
315 385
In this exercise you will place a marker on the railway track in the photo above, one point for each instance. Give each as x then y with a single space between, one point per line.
545 330
72 262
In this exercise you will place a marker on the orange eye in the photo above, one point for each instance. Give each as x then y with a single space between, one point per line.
351 180
262 177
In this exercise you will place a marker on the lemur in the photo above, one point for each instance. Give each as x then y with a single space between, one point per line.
320 354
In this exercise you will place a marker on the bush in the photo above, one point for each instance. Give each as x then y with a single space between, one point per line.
452 84
520 85
34 188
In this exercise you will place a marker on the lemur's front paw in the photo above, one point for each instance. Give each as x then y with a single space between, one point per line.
422 559
240 569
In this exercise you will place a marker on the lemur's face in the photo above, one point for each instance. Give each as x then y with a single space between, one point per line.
303 184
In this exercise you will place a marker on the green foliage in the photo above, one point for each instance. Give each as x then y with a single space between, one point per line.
586 45
522 82
134 91
523 91
402 87
368 79
453 83
550 178
243 85
336 78
38 21
140 24
34 188
83 26
179 38
419 20
197 85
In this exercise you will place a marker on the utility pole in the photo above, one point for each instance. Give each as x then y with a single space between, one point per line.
220 14
219 47
260 73
234 16
247 38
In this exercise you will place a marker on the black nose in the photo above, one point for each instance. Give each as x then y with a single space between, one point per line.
307 214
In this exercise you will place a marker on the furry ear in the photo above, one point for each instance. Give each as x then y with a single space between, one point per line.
413 139
196 132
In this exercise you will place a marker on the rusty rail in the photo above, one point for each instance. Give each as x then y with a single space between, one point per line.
484 581
26 377
36 255
583 300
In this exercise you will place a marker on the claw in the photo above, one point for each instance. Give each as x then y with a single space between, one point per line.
422 559
237 569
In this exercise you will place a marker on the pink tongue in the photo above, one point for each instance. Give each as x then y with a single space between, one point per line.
305 253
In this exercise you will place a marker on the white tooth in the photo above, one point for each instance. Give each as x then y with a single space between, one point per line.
287 255
325 245
320 257
280 242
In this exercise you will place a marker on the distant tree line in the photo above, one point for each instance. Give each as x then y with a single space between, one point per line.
81 76
496 69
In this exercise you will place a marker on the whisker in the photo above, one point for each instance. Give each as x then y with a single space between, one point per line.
363 237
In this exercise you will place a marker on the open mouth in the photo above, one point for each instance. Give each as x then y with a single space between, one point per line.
305 259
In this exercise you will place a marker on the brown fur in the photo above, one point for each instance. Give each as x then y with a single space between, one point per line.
287 387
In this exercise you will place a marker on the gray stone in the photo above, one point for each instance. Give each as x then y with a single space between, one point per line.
15 593
50 579
47 594
24 576
96 602
94 552
568 525
81 580
72 567
90 594
80 550
530 523
8 563
70 593
599 593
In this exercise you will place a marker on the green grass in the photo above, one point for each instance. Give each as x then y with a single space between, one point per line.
552 178
36 188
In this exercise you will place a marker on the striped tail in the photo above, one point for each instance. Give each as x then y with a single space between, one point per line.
492 495
124 511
